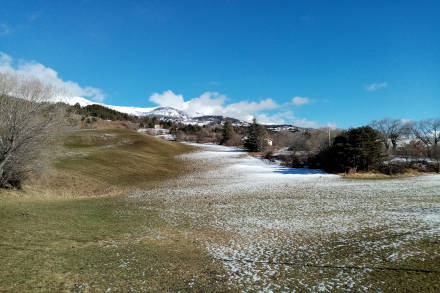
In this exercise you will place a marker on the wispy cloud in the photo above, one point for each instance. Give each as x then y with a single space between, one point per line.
298 101
5 29
375 86
32 69
214 83
34 16
287 117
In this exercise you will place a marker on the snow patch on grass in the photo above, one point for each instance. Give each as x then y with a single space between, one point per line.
265 218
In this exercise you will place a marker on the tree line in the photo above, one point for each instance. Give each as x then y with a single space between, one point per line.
374 147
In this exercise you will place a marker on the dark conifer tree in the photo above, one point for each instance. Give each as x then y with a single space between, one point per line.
228 132
256 140
359 149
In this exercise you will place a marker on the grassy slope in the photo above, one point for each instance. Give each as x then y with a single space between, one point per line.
51 241
107 161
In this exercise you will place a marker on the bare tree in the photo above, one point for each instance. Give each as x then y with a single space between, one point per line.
392 131
428 132
283 138
26 120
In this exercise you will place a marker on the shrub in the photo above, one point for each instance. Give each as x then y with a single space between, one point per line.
357 149
392 169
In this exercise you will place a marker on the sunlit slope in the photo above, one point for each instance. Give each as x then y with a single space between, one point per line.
111 160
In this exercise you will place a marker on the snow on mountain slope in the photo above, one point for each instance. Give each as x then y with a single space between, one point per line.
169 112
75 100
160 112
137 111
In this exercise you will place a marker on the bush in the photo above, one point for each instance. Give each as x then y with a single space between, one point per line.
234 140
297 161
392 169
358 149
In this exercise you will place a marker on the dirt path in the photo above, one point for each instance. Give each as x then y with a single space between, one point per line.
279 229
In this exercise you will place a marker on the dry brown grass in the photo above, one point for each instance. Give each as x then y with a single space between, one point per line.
96 162
105 124
377 175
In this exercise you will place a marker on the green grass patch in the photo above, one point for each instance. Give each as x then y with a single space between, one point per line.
94 245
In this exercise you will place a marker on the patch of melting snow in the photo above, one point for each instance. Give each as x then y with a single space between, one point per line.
240 164
433 221
281 215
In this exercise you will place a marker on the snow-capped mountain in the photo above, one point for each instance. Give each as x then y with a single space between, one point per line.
172 114
217 119
135 111
165 113
168 113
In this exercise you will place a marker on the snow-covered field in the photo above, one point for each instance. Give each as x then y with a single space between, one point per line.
280 229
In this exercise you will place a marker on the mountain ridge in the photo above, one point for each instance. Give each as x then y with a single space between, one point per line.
173 114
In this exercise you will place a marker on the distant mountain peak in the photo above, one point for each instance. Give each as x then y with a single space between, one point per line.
168 112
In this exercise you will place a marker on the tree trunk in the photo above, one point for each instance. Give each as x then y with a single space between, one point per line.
394 147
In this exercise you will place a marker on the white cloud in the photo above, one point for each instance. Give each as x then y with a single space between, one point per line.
213 103
278 118
376 86
168 99
298 101
209 103
31 69
4 29
287 117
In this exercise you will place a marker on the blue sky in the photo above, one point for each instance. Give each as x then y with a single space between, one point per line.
347 62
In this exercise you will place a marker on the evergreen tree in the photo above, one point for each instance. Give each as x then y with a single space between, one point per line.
101 112
256 140
365 147
77 108
358 149
228 132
